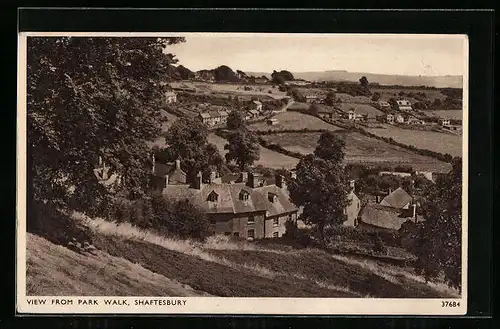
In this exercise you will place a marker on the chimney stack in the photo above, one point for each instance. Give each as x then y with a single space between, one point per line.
415 212
213 176
352 183
164 189
280 181
253 180
198 183
177 164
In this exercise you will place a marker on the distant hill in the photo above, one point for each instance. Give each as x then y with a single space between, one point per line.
451 81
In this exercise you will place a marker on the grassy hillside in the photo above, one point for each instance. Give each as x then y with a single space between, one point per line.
58 271
363 149
130 261
295 120
268 158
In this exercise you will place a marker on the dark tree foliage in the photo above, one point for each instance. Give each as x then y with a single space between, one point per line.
330 147
296 95
376 97
321 187
179 218
331 98
363 81
187 140
91 97
280 77
439 242
314 108
236 120
243 148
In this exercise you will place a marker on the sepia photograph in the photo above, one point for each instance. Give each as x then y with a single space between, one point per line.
242 173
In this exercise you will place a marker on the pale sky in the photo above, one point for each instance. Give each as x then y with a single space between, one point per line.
425 55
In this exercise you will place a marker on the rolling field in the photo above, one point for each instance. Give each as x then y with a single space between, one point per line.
142 263
361 109
268 158
429 140
394 93
294 120
231 89
361 149
450 114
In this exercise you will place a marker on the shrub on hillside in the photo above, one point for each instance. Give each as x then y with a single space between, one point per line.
347 233
302 237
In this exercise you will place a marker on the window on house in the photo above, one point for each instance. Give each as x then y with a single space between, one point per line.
251 234
275 234
236 233
227 233
271 197
212 197
276 221
244 195
251 220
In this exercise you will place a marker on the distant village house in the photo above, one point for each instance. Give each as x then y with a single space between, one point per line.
170 97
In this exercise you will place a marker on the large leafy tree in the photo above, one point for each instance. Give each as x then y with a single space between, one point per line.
91 97
330 147
187 140
321 185
243 148
439 244
236 120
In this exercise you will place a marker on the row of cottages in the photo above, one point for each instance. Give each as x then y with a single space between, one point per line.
214 117
353 116
246 208
245 205
404 105
399 118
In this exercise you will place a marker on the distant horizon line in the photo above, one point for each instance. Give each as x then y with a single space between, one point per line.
324 71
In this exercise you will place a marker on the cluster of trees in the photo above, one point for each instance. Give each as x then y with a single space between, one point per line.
243 144
439 238
91 97
296 94
279 78
169 217
321 186
361 89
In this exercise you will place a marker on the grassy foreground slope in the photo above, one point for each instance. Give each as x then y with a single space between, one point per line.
130 261
53 270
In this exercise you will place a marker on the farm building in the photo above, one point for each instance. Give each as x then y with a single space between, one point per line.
376 217
214 117
252 114
398 198
444 122
272 121
384 105
256 105
170 97
246 208
404 105
399 118
389 118
326 113
351 115
413 121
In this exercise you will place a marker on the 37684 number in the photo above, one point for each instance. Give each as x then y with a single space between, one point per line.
446 303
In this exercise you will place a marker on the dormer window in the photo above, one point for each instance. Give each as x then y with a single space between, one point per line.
212 196
244 195
272 197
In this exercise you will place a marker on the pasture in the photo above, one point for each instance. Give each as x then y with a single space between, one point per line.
360 149
387 93
361 109
268 158
429 140
232 88
450 114
346 98
294 120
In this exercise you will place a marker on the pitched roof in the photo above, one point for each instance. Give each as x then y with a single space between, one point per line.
170 93
397 199
257 102
228 200
205 115
384 217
